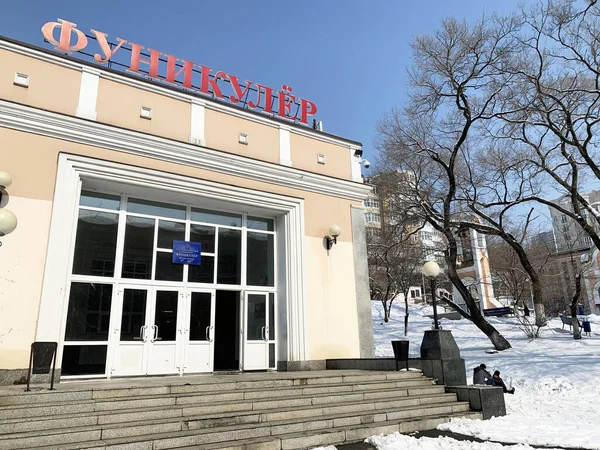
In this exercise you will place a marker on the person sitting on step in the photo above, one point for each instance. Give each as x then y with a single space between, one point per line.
497 381
481 375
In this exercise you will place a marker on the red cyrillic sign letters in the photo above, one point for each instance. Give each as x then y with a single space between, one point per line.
179 72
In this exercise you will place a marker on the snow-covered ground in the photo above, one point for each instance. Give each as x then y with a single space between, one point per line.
557 382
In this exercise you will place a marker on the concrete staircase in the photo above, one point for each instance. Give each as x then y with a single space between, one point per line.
286 410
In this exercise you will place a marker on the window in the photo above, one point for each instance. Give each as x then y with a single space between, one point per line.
372 217
426 235
563 219
371 203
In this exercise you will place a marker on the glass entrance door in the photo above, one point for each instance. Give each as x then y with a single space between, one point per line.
164 332
256 331
148 338
199 331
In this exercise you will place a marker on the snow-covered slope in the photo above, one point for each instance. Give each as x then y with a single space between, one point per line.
557 379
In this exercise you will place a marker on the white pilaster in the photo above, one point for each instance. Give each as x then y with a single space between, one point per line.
197 123
285 150
355 165
88 94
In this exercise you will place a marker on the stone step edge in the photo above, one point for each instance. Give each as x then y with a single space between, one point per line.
228 402
448 399
351 433
443 397
399 385
208 379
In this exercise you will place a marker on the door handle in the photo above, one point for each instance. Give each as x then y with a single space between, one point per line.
155 334
262 332
207 333
142 334
266 334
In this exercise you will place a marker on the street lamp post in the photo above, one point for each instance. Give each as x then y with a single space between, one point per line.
431 269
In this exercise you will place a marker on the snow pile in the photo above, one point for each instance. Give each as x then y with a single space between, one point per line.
557 400
398 441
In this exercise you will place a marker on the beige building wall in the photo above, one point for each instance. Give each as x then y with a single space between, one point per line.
51 87
304 152
332 326
222 132
119 104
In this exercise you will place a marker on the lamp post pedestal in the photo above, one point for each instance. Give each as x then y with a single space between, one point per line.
440 357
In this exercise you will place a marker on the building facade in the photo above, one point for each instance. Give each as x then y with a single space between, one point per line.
164 231
568 235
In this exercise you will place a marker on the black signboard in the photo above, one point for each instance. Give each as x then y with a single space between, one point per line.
43 356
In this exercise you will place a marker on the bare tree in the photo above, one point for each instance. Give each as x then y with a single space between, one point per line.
394 253
451 91
552 116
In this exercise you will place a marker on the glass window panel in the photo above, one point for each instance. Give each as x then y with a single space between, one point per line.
138 249
169 232
140 206
257 315
96 243
199 315
100 200
166 270
271 316
133 316
260 268
84 360
205 235
165 317
258 223
229 262
204 273
216 217
271 355
89 312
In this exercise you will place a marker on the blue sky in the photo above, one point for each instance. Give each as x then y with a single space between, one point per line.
347 56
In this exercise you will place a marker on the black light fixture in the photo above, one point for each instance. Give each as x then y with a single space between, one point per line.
334 231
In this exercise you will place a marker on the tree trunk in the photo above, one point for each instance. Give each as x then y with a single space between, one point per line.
574 302
499 341
536 284
405 315
386 317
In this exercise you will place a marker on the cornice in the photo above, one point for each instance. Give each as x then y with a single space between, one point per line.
172 92
32 120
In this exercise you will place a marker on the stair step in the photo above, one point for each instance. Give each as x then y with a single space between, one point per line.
258 418
39 399
193 404
235 440
79 392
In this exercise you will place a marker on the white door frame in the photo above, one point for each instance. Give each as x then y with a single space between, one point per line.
57 276
198 354
256 350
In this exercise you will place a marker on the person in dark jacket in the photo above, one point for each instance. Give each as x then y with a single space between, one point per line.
497 381
481 375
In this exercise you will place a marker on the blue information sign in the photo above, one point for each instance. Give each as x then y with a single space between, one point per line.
185 252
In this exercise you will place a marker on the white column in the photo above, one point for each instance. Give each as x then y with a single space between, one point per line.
197 123
285 151
355 165
88 94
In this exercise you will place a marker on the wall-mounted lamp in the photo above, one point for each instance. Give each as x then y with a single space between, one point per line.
8 221
334 231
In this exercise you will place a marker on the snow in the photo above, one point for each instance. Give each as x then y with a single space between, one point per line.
398 441
557 399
